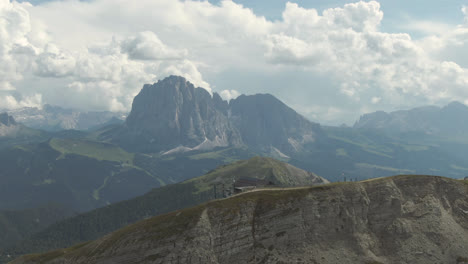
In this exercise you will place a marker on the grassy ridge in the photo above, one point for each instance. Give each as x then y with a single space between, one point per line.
177 222
161 200
92 149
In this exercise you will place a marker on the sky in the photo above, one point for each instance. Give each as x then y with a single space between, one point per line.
330 60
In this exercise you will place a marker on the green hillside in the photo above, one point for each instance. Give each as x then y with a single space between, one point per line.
161 200
79 174
17 225
91 149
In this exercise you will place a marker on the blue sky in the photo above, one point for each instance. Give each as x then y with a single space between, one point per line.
395 10
332 61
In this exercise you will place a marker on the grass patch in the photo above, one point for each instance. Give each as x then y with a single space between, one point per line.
342 152
455 167
378 167
412 148
96 195
368 148
218 155
91 149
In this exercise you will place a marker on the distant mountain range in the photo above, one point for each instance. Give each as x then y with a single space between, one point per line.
176 132
448 121
403 219
173 116
55 118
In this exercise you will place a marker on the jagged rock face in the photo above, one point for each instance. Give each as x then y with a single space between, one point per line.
265 121
450 120
54 118
7 120
174 114
8 125
404 219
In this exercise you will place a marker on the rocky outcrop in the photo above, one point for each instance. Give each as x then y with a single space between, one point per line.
55 118
92 225
265 121
450 120
403 219
8 125
173 116
7 120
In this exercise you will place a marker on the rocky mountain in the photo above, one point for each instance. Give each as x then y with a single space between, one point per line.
266 122
161 200
403 219
8 125
13 133
55 118
173 116
450 120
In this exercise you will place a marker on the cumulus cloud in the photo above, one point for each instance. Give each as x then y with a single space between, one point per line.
229 94
53 62
363 60
147 46
10 102
14 27
101 76
340 53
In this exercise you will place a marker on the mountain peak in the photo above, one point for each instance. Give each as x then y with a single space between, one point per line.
7 120
173 116
278 172
456 106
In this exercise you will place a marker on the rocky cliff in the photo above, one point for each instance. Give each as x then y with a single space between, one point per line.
173 116
92 225
55 118
403 219
8 125
450 120
266 122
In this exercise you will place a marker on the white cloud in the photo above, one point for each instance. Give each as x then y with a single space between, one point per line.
465 12
229 94
376 100
147 46
98 54
14 27
10 102
53 62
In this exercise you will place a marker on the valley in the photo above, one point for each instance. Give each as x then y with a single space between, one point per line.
181 147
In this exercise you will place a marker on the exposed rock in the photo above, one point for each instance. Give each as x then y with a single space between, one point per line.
403 219
7 120
450 120
8 125
92 225
54 118
265 121
173 116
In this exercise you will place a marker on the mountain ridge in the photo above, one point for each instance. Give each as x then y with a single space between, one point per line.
161 200
416 221
173 115
447 121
